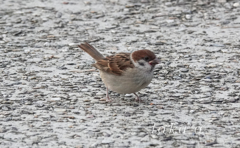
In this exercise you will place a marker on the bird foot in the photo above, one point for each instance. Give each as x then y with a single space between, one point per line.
138 98
106 99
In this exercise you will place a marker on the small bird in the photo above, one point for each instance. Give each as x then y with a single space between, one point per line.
124 73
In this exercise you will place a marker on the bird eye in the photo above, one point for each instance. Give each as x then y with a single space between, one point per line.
146 58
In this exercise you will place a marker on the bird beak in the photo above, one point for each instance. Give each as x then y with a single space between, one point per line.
154 62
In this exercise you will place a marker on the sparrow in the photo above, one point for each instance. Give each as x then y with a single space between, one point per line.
124 73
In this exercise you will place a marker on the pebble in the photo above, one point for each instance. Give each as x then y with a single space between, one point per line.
59 14
73 44
184 70
188 16
144 1
236 5
60 110
100 94
169 21
55 99
222 1
95 144
102 99
142 134
145 139
188 142
228 5
168 3
154 136
107 140
128 95
3 130
85 90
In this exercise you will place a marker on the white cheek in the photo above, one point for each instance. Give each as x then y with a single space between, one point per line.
145 67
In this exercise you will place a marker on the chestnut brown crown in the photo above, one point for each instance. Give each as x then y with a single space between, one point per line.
144 54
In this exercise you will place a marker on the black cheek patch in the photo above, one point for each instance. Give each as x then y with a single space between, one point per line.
140 63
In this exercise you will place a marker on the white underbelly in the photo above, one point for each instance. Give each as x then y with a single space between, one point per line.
126 83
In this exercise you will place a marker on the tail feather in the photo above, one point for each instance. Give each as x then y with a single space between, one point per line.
91 51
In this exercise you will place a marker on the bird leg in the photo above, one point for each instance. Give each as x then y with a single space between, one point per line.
107 96
137 98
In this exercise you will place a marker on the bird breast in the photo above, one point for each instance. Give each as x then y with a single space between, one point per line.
131 81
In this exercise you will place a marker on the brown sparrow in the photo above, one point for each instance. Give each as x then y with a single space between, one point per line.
124 73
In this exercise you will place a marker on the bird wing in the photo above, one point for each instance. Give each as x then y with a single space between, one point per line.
115 64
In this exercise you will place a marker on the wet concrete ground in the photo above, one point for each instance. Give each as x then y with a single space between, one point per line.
50 95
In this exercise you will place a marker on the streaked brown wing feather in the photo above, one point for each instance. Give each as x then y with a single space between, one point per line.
115 64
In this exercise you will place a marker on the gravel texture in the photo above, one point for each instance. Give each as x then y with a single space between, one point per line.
50 95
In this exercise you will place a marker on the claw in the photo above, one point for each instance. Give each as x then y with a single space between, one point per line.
138 98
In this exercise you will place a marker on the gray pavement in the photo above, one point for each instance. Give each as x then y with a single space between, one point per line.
50 95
